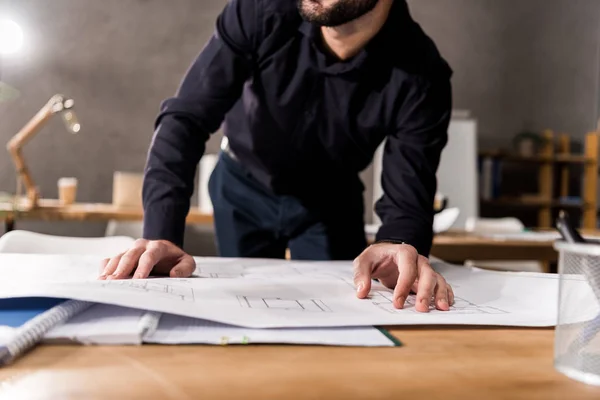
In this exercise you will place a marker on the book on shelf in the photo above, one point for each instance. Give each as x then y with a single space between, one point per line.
490 178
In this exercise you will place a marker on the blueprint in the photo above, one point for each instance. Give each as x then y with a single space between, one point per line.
289 294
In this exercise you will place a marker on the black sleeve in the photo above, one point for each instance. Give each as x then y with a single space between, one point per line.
211 86
410 162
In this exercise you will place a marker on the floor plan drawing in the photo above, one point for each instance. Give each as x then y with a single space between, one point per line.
384 300
156 288
296 294
314 305
272 273
222 275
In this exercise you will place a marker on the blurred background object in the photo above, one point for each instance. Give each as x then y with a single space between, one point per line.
127 189
11 41
11 36
528 144
58 104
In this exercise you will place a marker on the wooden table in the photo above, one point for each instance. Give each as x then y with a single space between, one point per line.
457 247
444 363
52 210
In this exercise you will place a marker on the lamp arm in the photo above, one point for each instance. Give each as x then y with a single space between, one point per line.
16 144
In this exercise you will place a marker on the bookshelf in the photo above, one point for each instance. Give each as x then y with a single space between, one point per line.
556 166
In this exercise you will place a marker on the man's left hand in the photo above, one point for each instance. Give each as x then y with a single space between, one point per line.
402 268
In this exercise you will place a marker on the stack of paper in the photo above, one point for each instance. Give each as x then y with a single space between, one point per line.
113 325
104 324
174 329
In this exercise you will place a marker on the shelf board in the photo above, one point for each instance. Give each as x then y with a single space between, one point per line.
526 202
572 158
557 158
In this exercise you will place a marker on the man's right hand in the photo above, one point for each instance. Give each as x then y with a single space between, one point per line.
146 257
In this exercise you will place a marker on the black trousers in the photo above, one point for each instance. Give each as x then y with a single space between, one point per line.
252 221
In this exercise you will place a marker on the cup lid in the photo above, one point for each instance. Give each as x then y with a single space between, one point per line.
67 181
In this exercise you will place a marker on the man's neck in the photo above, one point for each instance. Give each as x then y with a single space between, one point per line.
345 41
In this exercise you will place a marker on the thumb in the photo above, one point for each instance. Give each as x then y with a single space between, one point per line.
362 275
184 268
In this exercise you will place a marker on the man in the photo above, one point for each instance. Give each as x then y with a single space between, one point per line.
307 91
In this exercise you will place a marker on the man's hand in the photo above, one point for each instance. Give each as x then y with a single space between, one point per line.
400 267
159 256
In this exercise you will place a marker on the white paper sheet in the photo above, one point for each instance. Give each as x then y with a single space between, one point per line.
102 324
174 329
280 294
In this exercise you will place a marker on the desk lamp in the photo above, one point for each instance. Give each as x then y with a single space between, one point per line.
58 104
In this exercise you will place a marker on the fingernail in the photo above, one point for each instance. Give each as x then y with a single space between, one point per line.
176 272
400 300
110 277
137 276
360 287
444 301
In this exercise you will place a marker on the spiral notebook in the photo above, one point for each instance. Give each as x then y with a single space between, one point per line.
94 324
16 312
32 332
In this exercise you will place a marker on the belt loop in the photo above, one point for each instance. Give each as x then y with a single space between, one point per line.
224 143
226 149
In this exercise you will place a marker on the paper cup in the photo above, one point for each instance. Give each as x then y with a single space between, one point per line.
67 190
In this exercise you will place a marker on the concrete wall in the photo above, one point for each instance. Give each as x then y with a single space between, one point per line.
118 59
518 64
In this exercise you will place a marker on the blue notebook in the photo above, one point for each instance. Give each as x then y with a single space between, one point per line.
32 317
15 312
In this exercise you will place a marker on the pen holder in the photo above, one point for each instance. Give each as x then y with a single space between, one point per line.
577 336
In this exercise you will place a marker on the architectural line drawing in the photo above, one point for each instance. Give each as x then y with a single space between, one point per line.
147 286
222 275
384 301
271 273
276 303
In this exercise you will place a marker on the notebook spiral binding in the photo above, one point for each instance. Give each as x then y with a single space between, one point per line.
33 331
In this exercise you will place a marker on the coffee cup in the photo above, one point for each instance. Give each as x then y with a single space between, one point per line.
67 190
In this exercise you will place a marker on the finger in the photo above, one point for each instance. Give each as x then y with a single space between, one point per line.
406 262
362 274
128 262
148 260
385 272
415 286
427 284
450 295
442 301
103 264
184 268
110 267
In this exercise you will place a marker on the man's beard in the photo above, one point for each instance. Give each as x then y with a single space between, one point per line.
342 12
